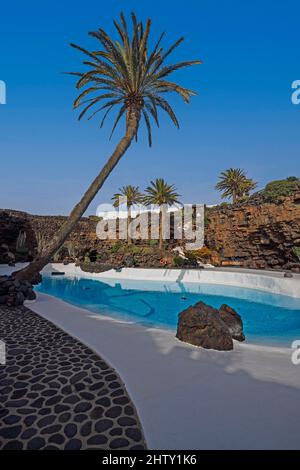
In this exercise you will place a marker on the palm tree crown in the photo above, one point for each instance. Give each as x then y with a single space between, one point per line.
131 193
126 75
234 183
160 193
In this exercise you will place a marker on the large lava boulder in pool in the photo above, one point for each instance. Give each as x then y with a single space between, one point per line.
202 325
233 322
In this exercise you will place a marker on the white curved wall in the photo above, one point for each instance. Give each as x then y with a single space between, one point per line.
267 281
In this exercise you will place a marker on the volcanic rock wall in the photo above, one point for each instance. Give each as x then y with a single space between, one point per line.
248 235
257 236
39 230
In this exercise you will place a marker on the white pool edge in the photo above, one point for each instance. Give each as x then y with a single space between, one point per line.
267 281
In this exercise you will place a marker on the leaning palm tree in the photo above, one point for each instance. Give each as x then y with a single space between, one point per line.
234 183
126 75
161 194
130 195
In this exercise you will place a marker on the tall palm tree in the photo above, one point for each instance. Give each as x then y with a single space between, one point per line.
127 76
131 195
161 194
234 183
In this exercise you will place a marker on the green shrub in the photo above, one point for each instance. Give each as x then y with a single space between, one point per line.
153 242
178 261
116 247
191 255
203 253
206 221
296 251
275 190
135 250
243 199
147 250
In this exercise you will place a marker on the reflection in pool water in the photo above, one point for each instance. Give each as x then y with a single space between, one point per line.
268 318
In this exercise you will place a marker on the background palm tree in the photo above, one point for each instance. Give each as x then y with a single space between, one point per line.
234 183
131 195
161 194
126 75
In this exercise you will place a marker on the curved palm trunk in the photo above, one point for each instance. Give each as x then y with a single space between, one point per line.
129 219
30 272
161 242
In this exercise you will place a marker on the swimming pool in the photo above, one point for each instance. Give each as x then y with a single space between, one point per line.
268 318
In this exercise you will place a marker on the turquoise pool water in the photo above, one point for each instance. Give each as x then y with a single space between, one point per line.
268 318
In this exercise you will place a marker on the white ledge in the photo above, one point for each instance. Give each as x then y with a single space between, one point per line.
267 281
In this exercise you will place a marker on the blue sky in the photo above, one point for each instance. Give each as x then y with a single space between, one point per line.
241 117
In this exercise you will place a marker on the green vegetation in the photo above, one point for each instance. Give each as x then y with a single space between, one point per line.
161 194
130 195
178 261
136 250
116 247
296 251
191 256
234 183
275 190
95 218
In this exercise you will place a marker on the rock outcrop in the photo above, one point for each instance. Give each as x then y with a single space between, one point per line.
201 325
252 235
209 328
13 292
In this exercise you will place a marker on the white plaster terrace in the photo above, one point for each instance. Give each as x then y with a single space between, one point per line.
186 397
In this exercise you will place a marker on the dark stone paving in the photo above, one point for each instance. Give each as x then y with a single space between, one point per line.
55 393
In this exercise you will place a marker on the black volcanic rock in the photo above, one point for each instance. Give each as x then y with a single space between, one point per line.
234 322
201 325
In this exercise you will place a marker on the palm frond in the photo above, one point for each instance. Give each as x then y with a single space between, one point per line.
148 125
127 74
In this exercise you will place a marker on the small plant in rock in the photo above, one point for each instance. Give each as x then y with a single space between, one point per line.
135 250
178 261
203 253
115 248
296 251
147 250
41 242
71 248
